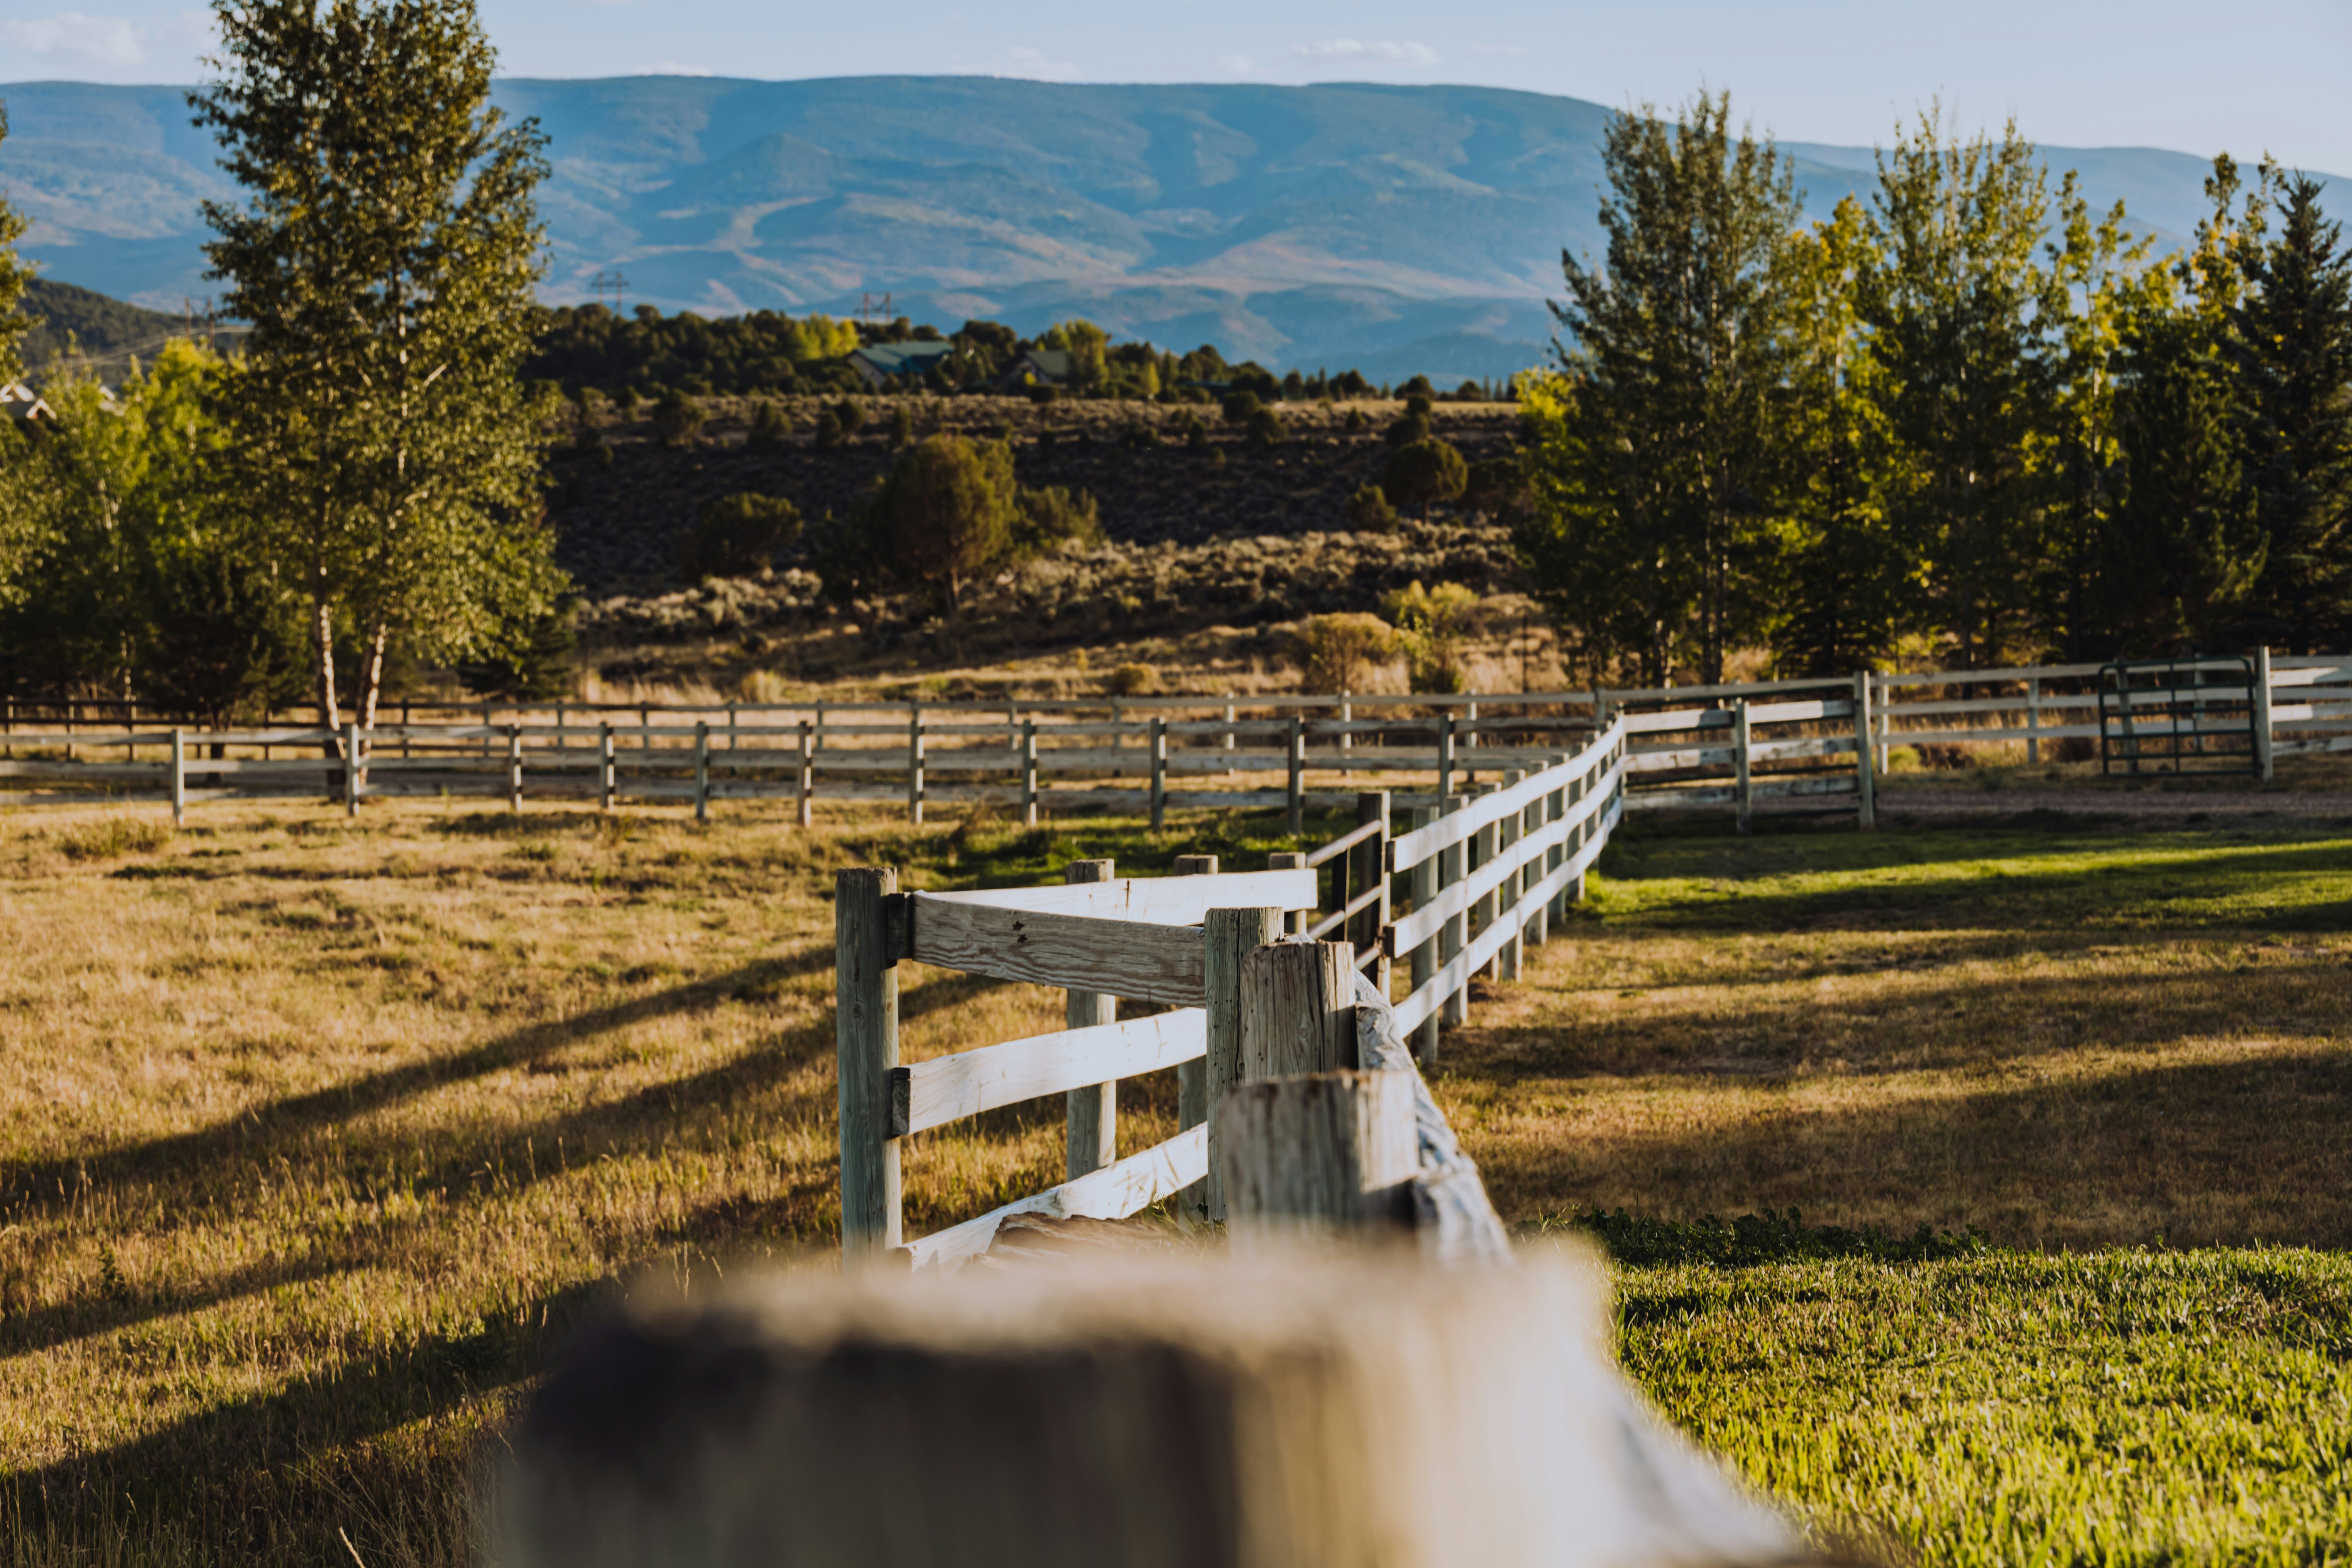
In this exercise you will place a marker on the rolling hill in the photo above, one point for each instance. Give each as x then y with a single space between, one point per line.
1393 228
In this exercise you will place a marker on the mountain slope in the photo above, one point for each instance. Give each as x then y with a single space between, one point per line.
1396 228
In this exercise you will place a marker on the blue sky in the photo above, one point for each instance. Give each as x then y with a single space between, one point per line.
2184 74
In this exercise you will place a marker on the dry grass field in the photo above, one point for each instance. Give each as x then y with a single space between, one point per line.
316 1137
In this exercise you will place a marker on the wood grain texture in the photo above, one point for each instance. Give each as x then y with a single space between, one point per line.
1229 937
1119 958
1093 1125
1330 1151
1180 900
1296 1009
866 1032
1112 1192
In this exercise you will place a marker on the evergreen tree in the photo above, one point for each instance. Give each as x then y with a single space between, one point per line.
2291 341
17 509
1665 446
384 255
948 509
1956 308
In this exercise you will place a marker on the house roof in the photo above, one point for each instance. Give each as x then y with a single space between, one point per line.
903 359
22 403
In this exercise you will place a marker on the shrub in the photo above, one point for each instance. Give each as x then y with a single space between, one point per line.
1216 457
1266 428
1355 423
1041 394
1429 630
1132 681
1057 515
1196 432
902 425
1369 510
678 420
1409 429
769 425
1425 473
1240 407
851 413
114 836
829 432
1139 434
1418 403
1497 486
1337 653
738 535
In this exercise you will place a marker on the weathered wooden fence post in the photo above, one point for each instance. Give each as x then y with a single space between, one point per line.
1456 934
1445 754
914 762
514 768
1297 776
1093 1120
805 790
1158 771
701 771
1740 785
1298 1012
179 778
1346 740
1371 871
1029 773
1507 893
608 771
2033 718
1325 1153
1228 936
1865 771
2265 749
866 942
1424 956
1192 1077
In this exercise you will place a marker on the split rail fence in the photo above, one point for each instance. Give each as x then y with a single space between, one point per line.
1483 874
1738 748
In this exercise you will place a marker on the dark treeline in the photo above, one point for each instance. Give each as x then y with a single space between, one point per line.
1963 423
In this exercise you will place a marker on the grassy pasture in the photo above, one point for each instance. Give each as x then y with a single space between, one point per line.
314 1139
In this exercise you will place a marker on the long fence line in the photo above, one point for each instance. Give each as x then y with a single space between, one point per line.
1783 745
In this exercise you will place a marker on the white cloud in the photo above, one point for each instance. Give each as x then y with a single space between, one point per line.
1384 53
84 40
1033 65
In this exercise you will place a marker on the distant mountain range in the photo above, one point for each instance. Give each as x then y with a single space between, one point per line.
1396 229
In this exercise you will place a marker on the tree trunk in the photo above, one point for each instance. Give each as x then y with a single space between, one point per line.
322 641
371 677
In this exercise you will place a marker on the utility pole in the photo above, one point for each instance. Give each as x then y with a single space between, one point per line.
616 283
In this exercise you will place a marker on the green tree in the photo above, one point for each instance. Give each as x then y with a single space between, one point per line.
1085 343
678 420
1957 308
947 511
1426 474
2291 340
384 255
769 425
16 506
1369 510
737 535
1338 653
1665 447
1429 625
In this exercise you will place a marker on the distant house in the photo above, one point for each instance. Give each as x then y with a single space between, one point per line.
23 405
1043 367
883 364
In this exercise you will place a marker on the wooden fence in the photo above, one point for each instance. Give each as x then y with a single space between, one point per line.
1484 874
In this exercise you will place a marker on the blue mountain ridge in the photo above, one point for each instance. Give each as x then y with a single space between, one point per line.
1396 229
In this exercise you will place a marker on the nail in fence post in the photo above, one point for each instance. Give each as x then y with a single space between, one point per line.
1297 776
1371 858
1028 772
866 1039
514 767
1424 957
1192 1077
607 773
2265 749
1740 741
1093 1120
1865 771
351 784
1158 772
1455 935
701 771
914 762
1229 936
179 778
806 783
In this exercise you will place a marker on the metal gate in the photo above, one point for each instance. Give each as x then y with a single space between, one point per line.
2178 716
